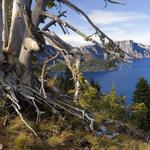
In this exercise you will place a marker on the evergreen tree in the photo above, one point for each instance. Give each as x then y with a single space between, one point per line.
69 83
95 84
113 106
142 92
142 95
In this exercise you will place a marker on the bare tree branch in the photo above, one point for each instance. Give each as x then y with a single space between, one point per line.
32 30
113 2
53 21
43 72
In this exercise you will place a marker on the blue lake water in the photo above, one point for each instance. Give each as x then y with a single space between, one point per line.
124 79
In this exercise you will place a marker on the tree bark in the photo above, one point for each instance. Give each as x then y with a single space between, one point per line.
25 57
17 29
1 28
1 25
5 23
77 82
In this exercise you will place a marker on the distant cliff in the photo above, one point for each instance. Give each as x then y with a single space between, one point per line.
130 47
135 49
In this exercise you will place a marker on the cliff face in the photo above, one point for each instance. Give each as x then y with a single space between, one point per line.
94 50
130 47
135 49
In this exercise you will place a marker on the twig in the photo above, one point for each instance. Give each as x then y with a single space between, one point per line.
53 22
43 71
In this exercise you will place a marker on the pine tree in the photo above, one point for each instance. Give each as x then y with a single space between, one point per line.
69 79
142 92
142 95
95 84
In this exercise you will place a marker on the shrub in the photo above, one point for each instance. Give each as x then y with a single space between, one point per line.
138 113
113 106
89 99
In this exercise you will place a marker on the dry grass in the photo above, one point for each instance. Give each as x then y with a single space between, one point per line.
22 141
60 139
16 125
18 137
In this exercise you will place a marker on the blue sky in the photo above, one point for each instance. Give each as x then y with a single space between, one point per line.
119 22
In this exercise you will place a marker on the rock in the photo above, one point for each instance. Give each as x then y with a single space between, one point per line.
121 128
99 133
103 129
108 122
2 75
113 135
138 133
1 146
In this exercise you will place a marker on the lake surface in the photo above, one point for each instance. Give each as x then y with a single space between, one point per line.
124 79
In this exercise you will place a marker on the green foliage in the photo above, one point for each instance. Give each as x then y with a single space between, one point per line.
34 59
69 83
141 98
138 113
99 65
113 106
89 99
142 92
110 106
95 85
145 123
65 83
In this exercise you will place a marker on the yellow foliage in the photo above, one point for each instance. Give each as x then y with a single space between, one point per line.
89 99
92 139
49 126
16 125
55 140
22 141
60 139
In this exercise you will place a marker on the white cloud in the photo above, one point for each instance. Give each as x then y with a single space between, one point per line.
74 40
143 38
109 17
112 30
118 32
129 25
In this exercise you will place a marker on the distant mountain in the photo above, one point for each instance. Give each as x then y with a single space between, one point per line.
135 49
132 48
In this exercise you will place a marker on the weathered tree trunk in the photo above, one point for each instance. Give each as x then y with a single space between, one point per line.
1 29
5 23
77 82
17 29
28 44
1 25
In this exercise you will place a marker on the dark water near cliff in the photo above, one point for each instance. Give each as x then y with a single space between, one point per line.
124 79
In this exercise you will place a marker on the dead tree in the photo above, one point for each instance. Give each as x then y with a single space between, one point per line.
21 37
